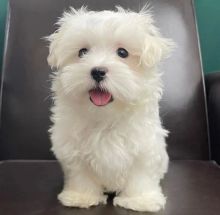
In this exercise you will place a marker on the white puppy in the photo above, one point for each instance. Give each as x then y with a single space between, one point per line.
106 133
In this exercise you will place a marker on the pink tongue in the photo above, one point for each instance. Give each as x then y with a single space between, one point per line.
99 97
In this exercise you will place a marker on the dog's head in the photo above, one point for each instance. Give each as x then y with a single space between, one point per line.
107 58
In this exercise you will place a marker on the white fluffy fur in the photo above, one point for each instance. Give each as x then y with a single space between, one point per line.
119 147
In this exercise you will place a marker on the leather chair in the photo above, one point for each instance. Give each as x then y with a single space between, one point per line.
30 178
212 81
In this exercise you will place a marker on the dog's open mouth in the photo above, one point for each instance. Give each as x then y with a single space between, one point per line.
100 97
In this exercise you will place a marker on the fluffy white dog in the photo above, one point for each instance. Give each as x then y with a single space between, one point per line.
106 133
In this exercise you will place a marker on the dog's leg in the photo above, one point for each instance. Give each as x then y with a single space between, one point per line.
143 191
80 190
141 196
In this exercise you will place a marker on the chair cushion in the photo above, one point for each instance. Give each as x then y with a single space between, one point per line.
31 187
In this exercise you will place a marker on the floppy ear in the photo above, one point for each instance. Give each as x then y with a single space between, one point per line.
155 48
57 52
56 49
52 57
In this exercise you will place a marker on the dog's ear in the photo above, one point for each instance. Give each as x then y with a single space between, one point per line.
56 54
57 51
155 48
52 57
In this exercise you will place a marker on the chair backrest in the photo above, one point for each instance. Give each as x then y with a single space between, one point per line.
25 86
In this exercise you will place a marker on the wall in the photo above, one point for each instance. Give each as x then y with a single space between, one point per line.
208 18
3 6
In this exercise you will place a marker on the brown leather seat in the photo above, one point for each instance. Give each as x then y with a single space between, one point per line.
30 188
192 184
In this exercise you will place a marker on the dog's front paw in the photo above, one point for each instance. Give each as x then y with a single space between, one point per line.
151 202
81 200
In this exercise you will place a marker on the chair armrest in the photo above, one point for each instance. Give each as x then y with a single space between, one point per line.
212 82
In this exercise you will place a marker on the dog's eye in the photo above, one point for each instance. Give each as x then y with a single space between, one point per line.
123 53
82 52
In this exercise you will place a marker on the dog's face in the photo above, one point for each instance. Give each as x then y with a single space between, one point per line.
107 59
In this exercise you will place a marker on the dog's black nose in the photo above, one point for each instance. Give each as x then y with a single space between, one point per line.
98 73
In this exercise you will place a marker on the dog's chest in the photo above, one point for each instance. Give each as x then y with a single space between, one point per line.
108 152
